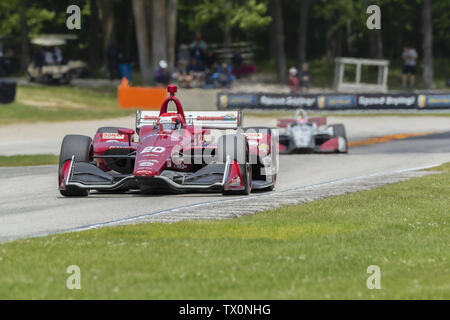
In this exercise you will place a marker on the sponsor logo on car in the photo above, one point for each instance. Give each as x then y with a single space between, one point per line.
253 135
150 163
153 149
144 172
112 136
226 117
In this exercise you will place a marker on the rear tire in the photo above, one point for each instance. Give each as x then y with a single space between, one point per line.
80 148
339 130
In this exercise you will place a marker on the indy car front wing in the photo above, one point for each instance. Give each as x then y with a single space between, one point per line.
87 176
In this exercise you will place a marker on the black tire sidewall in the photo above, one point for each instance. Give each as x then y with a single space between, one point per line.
79 147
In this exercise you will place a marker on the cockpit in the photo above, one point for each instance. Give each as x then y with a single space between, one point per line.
169 122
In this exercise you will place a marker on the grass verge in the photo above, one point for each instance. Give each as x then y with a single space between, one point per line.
28 160
319 250
60 103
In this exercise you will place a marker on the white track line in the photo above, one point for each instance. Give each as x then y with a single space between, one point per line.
167 211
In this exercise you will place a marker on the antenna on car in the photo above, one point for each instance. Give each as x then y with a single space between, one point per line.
172 89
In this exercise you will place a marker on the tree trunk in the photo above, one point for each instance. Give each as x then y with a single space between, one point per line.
302 33
338 51
129 46
228 40
375 44
272 35
379 45
277 20
172 7
159 32
24 36
94 30
427 31
330 43
107 7
349 38
142 37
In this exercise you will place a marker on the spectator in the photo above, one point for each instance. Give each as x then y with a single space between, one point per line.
179 72
236 63
162 74
198 42
304 77
183 54
210 59
209 77
112 56
195 66
49 57
409 57
198 48
195 70
38 59
224 77
181 76
293 80
58 55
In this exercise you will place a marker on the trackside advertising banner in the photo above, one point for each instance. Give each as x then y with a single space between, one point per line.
333 101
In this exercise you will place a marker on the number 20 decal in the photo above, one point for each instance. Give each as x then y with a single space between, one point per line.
153 149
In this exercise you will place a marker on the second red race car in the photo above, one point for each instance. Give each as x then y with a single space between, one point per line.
174 152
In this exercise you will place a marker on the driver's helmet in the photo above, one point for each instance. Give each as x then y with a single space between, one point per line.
169 121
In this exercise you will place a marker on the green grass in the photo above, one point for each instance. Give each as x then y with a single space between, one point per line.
28 160
61 103
319 250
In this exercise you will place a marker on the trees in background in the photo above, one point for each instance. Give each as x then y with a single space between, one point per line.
291 30
142 37
24 35
172 9
302 33
159 32
94 36
427 43
278 41
108 19
248 16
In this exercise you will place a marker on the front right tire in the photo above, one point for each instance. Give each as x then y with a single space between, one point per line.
236 147
339 132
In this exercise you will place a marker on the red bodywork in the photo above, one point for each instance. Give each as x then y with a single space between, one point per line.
160 148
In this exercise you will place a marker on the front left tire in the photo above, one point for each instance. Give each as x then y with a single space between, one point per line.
79 147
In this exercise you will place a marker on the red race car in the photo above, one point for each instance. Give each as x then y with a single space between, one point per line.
175 152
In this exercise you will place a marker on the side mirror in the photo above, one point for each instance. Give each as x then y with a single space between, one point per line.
128 132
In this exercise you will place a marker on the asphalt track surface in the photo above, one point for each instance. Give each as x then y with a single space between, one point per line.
30 204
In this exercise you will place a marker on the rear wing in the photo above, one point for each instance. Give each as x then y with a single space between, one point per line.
205 119
284 122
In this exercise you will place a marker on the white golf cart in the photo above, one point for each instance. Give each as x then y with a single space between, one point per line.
48 66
